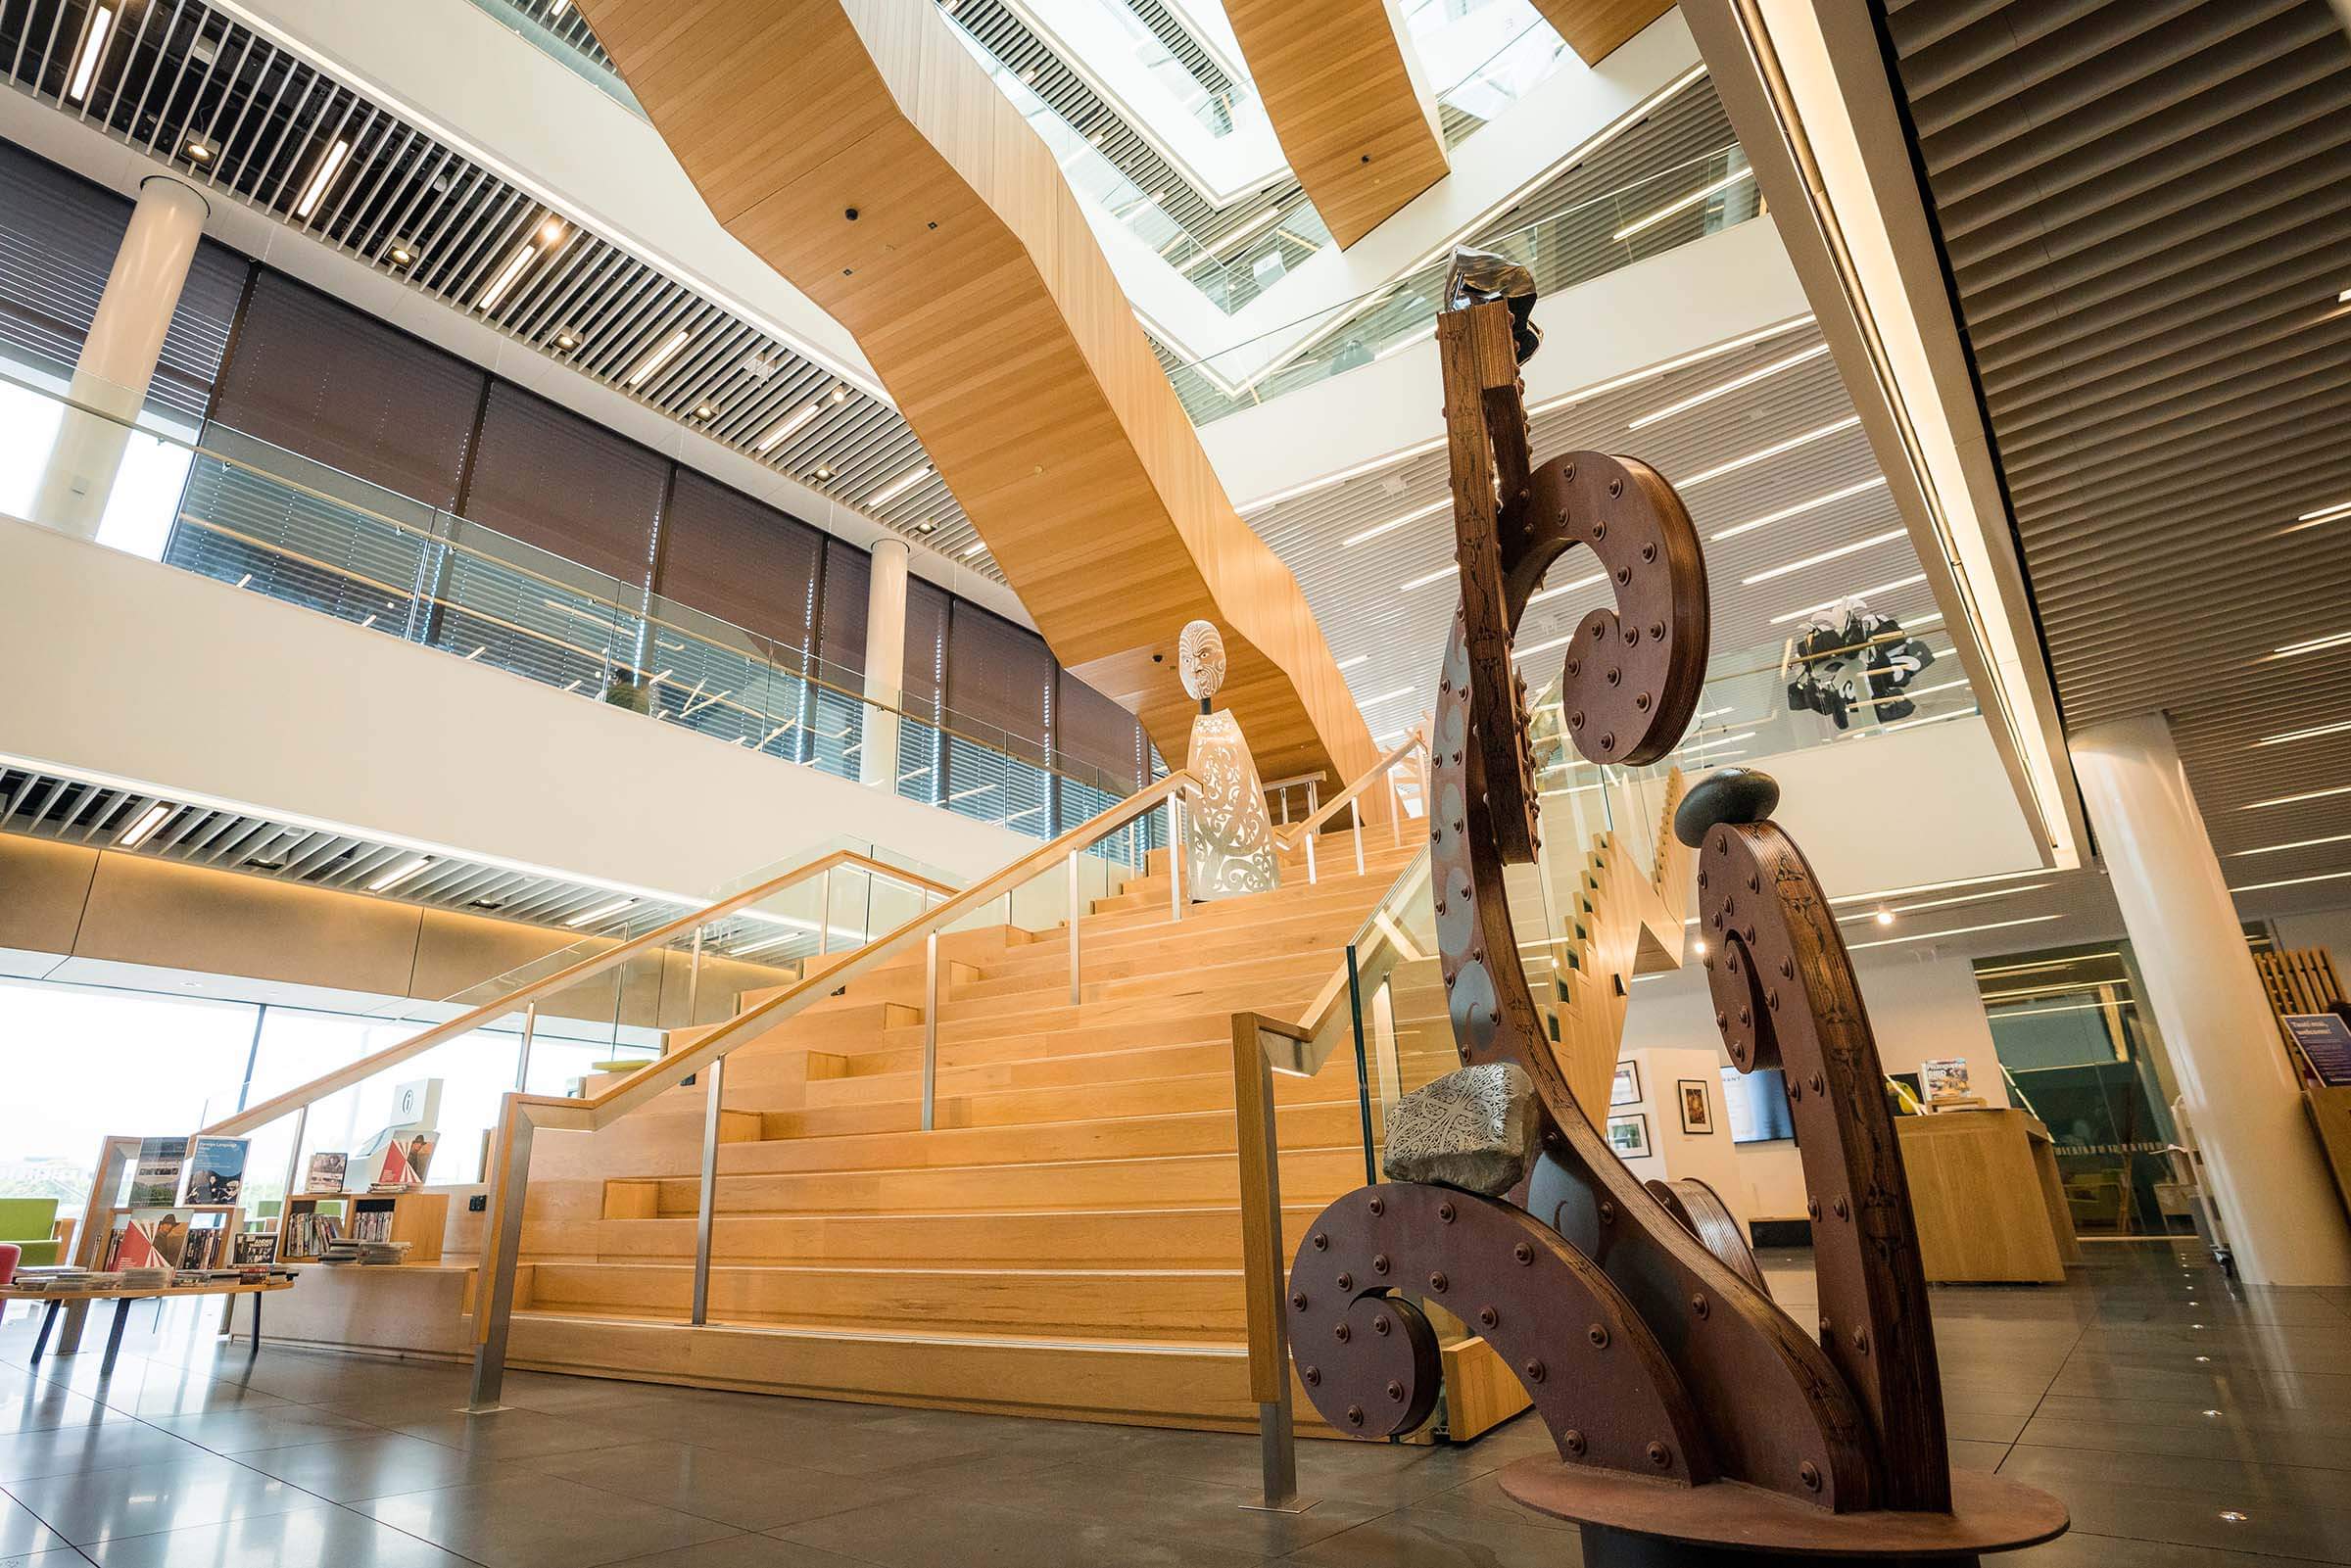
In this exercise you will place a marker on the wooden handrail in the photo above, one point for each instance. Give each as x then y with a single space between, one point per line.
617 1100
1287 838
269 1110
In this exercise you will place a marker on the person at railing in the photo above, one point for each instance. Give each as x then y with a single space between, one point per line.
1227 840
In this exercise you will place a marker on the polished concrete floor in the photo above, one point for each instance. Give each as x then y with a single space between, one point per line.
2188 1424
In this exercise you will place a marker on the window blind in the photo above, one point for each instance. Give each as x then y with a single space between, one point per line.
551 479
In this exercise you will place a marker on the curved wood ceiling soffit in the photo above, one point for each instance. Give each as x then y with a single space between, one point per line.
1342 87
1593 28
860 150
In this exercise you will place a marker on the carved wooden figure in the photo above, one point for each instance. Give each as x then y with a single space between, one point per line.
1692 1416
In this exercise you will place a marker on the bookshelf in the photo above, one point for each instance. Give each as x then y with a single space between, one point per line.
231 1221
415 1218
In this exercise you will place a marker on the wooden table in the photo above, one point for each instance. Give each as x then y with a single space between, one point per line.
1990 1207
123 1295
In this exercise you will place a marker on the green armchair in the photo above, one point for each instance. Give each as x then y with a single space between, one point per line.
30 1225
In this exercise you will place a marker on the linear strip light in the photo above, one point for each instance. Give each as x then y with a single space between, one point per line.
2293 881
1716 740
93 45
661 357
2299 844
1772 451
400 873
1962 930
2046 964
1592 581
1543 647
1797 510
1567 400
1413 516
2314 646
315 190
785 427
2288 800
1945 903
2344 727
973 549
1687 202
1696 399
1853 548
976 789
1912 581
1221 242
1389 697
2333 512
506 275
149 821
1428 578
899 486
601 911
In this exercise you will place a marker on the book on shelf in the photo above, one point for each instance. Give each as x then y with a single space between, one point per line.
326 1171
306 1235
216 1170
155 1176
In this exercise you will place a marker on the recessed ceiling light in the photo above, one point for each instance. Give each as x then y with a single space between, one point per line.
928 525
398 253
1698 399
2299 844
1841 550
551 231
1885 916
1797 510
1958 930
93 46
1542 648
1378 529
601 911
820 471
840 393
1389 697
661 357
149 821
973 549
703 410
2311 733
1360 658
566 341
198 151
1772 451
1912 581
2292 881
785 427
899 486
1592 581
506 275
1424 579
2335 512
2288 800
2314 646
315 190
1683 204
400 873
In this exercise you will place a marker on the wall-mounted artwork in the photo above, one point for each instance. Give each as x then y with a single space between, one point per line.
1698 1112
1626 1090
1629 1135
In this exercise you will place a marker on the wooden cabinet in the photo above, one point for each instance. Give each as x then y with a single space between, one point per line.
415 1218
1990 1209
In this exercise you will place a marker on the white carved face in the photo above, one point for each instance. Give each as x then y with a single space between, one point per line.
1200 659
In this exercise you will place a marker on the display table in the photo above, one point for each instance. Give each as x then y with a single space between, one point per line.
2329 1110
1991 1209
123 1297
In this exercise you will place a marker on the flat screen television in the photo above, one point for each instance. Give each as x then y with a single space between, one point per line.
1758 1105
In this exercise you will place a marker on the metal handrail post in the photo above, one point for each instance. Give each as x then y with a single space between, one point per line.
1354 813
694 977
495 1306
1175 857
930 1028
824 913
705 1207
1072 927
522 1053
1260 1150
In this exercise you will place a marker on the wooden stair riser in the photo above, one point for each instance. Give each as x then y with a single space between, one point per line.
1156 1136
979 1102
1182 1306
1323 938
1181 1182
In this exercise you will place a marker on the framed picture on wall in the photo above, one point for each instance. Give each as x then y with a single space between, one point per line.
1629 1135
1626 1090
1698 1112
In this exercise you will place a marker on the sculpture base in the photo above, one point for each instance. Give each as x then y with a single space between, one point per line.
1632 1522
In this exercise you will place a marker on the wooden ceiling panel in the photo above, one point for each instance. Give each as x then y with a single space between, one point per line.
973 284
1339 83
1593 28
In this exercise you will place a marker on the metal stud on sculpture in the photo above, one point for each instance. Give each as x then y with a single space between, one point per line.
1651 1355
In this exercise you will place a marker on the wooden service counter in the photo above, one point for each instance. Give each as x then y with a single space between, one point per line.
1990 1209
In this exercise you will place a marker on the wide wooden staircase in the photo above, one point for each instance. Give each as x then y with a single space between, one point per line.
1067 1241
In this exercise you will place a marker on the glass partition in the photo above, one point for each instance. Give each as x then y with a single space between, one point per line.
270 521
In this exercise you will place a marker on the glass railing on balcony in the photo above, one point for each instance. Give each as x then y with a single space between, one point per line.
555 30
1511 50
1220 102
1647 217
268 521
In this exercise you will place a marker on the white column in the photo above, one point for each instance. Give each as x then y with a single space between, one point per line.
884 662
118 359
2261 1155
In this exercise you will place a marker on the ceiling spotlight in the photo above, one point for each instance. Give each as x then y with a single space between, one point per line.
928 525
840 393
551 231
198 151
704 411
1885 916
820 471
1699 946
566 341
400 254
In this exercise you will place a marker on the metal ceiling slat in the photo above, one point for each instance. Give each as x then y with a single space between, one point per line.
285 133
113 102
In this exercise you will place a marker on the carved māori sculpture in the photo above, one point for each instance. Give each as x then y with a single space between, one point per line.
1690 1415
1228 839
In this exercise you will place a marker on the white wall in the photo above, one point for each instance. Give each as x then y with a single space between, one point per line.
1922 1006
151 676
1678 1156
2329 929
